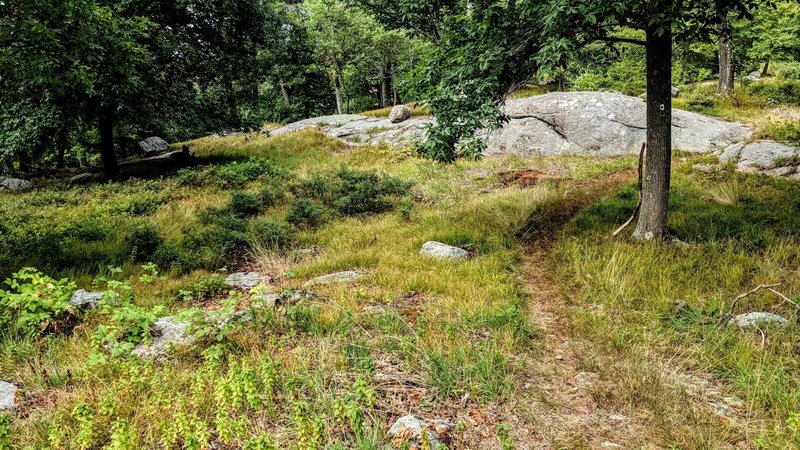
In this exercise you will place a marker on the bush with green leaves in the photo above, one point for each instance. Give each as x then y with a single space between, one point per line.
243 204
788 71
34 302
352 192
144 243
272 235
784 91
304 213
231 175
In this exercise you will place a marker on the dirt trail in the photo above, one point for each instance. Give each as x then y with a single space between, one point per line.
558 383
563 388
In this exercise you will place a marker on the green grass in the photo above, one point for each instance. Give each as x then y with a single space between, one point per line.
771 106
435 338
419 321
740 238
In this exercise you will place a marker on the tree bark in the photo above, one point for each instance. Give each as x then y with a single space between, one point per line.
338 88
385 79
287 100
765 71
725 85
652 223
105 126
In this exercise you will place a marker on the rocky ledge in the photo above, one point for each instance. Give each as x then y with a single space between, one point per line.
582 124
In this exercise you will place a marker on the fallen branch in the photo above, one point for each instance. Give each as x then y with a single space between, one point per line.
741 296
639 202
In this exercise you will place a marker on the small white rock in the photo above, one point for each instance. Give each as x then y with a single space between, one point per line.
8 395
755 319
245 281
409 428
88 299
437 250
170 334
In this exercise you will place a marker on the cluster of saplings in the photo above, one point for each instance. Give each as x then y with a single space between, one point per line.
238 226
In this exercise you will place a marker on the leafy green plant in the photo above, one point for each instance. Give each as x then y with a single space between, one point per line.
305 214
5 431
144 243
352 192
35 302
243 204
273 235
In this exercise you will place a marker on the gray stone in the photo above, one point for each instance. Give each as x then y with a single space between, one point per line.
610 445
88 299
246 281
349 276
399 114
85 178
779 171
168 333
756 319
15 184
437 250
285 298
705 168
675 92
409 429
731 153
153 146
336 120
601 124
8 397
763 155
753 76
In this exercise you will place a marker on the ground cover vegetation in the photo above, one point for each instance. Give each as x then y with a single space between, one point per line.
550 330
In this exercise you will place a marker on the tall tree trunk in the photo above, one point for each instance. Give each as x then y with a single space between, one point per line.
233 103
385 79
765 70
725 86
652 224
337 86
287 100
105 125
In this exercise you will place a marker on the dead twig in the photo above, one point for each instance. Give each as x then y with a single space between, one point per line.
639 202
741 296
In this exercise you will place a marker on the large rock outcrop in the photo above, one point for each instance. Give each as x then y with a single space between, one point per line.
582 124
600 123
559 123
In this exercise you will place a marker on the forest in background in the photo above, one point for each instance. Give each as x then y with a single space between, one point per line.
85 78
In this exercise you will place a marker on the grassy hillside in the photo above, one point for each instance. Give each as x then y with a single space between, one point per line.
548 330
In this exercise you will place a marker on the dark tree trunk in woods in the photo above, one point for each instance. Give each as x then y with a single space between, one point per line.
105 126
230 94
385 80
725 86
652 224
287 100
765 71
25 161
337 86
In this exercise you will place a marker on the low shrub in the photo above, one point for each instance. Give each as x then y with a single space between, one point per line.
243 204
700 100
784 130
144 243
35 302
270 195
231 175
353 192
785 91
305 213
273 235
788 71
